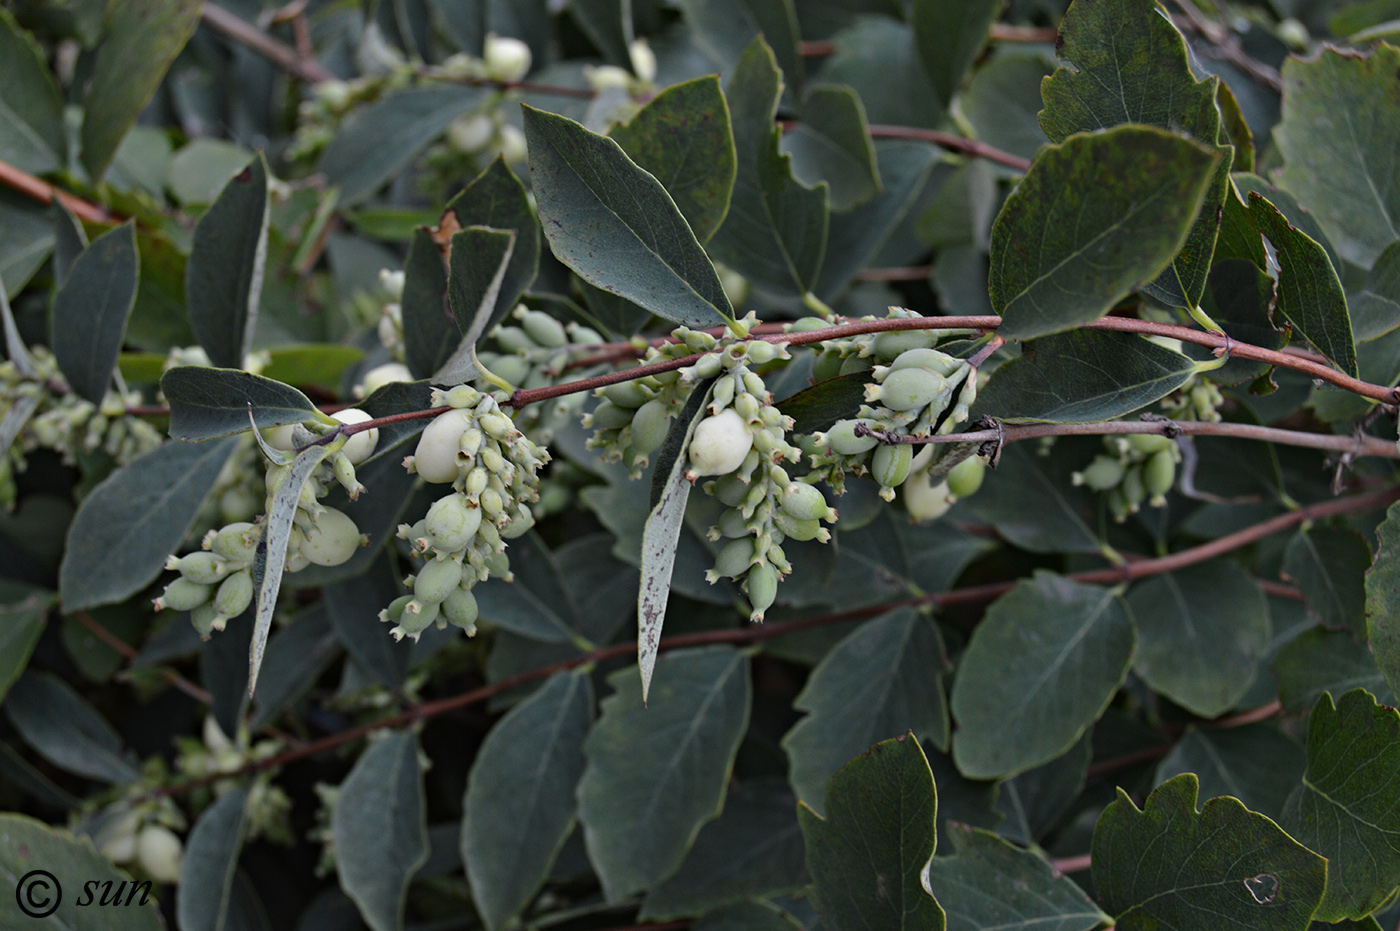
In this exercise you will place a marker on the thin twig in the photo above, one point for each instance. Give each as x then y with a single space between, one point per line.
906 273
756 633
279 53
45 193
1063 865
129 653
1226 46
953 143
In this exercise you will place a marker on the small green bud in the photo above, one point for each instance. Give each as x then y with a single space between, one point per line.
804 502
514 339
491 504
394 613
890 464
1102 474
732 560
1159 473
497 425
628 394
761 351
436 580
708 366
204 568
416 618
966 477
762 584
1134 491
542 328
909 389
206 619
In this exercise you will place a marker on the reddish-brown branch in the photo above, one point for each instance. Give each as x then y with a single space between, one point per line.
952 143
128 652
45 193
274 50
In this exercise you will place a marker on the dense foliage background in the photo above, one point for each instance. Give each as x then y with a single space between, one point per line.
1143 259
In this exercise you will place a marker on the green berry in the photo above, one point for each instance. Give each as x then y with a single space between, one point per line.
734 559
890 344
966 477
460 609
797 529
514 339
890 464
804 502
842 439
1150 443
1102 474
909 389
628 394
649 427
332 540
183 595
451 523
204 568
1159 473
826 365
236 542
731 490
940 363
732 524
543 328
852 364
235 594
437 580
762 584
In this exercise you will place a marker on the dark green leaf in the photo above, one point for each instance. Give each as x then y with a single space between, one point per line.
1038 671
1202 632
988 883
1339 136
877 53
747 916
950 35
1035 800
210 402
477 266
26 239
724 29
32 137
380 828
497 199
1084 376
754 848
297 655
656 774
608 25
70 239
1240 297
429 333
1375 309
23 616
1257 764
538 603
683 137
858 237
224 276
1036 505
126 527
65 729
90 311
1383 598
775 233
139 43
818 407
615 225
1309 294
883 680
1348 807
223 668
353 607
209 863
832 144
1330 566
1129 64
1167 866
520 802
379 141
868 854
200 170
31 845
1002 100
1318 661
1095 218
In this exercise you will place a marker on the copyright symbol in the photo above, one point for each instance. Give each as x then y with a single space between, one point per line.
38 893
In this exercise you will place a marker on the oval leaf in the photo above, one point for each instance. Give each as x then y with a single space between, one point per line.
125 528
32 137
210 402
615 225
380 829
66 730
1095 218
497 199
223 278
209 864
91 308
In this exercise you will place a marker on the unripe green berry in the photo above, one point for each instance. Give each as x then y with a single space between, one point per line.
491 504
435 458
460 609
890 464
628 394
1150 443
394 613
496 425
762 351
708 366
1102 474
932 360
719 444
734 558
966 477
842 439
436 580
519 525
804 502
206 619
514 339
451 523
1159 473
732 524
1134 491
361 446
731 490
826 365
183 595
795 528
543 328
235 594
909 389
649 427
888 345
477 480
332 540
762 584
416 618
513 369
610 416
204 568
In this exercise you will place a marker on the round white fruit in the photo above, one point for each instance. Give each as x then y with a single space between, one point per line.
360 446
720 444
435 459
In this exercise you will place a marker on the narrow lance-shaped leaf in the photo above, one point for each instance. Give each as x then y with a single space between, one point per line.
1084 376
223 279
615 225
208 402
477 266
868 855
1095 218
65 729
661 535
1168 866
139 43
1340 139
70 239
32 137
1310 296
1348 807
1383 599
90 310
775 232
133 520
209 863
520 801
656 775
1130 64
380 829
1021 701
684 139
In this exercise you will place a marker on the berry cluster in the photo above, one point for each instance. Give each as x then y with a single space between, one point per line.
1135 468
492 468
